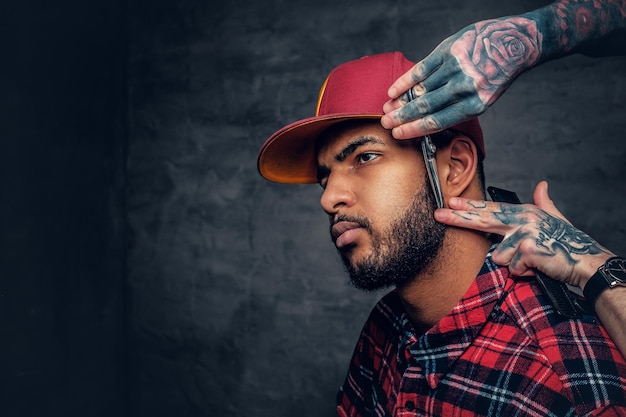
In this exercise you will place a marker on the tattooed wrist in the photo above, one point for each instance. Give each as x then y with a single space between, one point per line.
576 23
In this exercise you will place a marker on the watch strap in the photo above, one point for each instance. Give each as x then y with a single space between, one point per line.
596 285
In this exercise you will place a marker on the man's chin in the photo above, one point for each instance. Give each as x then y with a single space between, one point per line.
363 275
367 282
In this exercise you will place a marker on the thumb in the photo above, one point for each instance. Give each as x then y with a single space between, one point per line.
543 201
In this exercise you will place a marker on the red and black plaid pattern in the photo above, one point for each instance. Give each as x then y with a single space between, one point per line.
502 351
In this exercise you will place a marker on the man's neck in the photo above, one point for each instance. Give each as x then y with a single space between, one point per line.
434 292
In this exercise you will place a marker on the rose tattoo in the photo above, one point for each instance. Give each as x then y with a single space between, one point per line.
494 51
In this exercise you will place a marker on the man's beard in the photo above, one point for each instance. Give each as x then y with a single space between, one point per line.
402 251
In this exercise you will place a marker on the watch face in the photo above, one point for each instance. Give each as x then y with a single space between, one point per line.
615 271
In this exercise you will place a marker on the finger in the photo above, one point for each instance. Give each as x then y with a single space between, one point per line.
429 103
476 220
420 127
513 252
433 93
413 76
416 90
460 203
544 202
433 123
518 266
416 74
416 109
509 214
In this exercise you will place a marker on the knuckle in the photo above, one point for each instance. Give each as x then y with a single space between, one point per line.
419 88
430 123
422 106
485 221
418 70
498 257
526 247
528 228
406 113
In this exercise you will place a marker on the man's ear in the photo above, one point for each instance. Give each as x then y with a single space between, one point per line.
456 165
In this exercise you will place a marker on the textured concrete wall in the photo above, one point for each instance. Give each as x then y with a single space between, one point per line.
62 243
237 302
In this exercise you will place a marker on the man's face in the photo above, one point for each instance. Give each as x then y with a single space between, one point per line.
380 205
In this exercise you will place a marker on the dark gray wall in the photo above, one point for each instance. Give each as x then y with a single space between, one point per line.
238 303
230 300
62 245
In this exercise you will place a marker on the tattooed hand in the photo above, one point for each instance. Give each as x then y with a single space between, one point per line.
462 77
534 237
498 52
471 69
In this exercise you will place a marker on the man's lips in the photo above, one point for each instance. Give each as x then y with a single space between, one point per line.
344 233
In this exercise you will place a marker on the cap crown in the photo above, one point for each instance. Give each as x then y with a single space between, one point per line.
360 86
354 90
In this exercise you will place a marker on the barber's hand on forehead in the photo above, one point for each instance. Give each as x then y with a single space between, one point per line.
462 77
534 236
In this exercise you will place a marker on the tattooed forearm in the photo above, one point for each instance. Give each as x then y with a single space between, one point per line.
580 22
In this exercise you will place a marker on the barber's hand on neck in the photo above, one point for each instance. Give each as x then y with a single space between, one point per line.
534 236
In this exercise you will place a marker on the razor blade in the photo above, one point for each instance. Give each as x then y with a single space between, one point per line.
429 150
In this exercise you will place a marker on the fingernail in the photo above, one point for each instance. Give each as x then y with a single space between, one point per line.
393 92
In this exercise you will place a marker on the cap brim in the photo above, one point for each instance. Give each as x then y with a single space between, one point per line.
289 157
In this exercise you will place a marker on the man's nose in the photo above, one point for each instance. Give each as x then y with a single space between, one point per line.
337 194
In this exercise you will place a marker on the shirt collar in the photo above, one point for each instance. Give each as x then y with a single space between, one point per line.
437 350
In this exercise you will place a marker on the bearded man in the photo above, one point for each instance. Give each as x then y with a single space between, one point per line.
457 334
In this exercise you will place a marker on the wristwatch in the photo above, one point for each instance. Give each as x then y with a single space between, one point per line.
609 275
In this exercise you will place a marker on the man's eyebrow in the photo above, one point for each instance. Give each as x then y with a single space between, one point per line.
355 144
324 171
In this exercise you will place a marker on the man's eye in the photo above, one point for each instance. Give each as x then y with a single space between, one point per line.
367 157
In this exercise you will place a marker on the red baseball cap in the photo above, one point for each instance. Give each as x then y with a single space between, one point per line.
354 90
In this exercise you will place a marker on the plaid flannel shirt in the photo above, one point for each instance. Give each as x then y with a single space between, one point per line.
502 351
